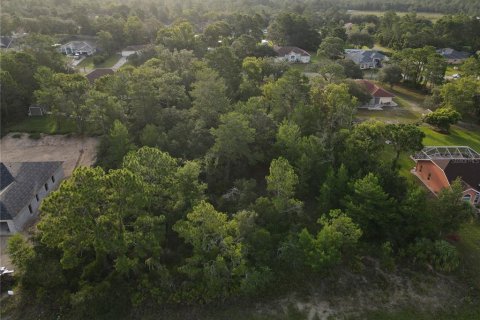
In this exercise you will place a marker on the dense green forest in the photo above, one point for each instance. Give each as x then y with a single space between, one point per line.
224 174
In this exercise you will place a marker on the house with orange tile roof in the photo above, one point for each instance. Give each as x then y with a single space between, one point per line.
437 167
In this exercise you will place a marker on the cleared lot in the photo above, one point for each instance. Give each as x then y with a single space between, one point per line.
74 151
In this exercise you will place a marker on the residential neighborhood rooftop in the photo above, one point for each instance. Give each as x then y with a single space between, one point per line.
449 53
360 56
375 90
447 153
22 180
98 73
281 51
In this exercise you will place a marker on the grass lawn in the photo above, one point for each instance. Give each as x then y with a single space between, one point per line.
469 248
457 137
88 62
46 124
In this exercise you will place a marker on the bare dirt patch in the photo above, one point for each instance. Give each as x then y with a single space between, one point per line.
73 151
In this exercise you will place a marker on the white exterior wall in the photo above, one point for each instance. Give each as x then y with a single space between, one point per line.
24 216
127 53
294 57
386 100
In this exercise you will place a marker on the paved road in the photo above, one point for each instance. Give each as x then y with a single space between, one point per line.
119 63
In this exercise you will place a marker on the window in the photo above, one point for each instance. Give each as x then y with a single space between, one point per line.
429 176
53 179
421 167
4 227
30 208
46 186
477 198
467 197
36 197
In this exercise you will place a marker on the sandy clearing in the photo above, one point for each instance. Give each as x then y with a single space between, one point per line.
74 151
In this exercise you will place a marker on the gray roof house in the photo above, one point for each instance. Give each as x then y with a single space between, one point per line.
453 56
23 186
78 48
366 59
6 42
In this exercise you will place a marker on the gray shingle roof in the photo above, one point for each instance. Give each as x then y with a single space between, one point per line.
28 177
364 56
449 53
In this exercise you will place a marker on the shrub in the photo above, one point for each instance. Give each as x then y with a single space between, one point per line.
99 59
17 135
442 118
440 254
35 135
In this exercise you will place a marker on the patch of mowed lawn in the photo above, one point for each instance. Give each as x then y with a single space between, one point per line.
469 249
457 137
45 124
108 63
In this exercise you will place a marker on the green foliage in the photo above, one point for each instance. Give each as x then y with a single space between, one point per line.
442 118
338 237
439 254
391 74
331 47
115 146
450 209
217 266
461 95
372 209
292 29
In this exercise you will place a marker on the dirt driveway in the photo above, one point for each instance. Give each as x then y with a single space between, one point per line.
74 151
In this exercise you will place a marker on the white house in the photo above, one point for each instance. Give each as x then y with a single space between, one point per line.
366 59
23 187
292 54
78 48
380 97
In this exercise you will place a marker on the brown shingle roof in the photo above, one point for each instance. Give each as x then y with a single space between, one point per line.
98 73
375 90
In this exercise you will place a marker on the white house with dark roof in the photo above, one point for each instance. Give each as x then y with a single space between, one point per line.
78 48
453 56
366 59
23 186
292 54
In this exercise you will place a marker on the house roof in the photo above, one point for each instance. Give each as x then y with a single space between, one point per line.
283 51
78 45
449 53
468 171
98 73
375 90
28 178
5 42
364 56
455 161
